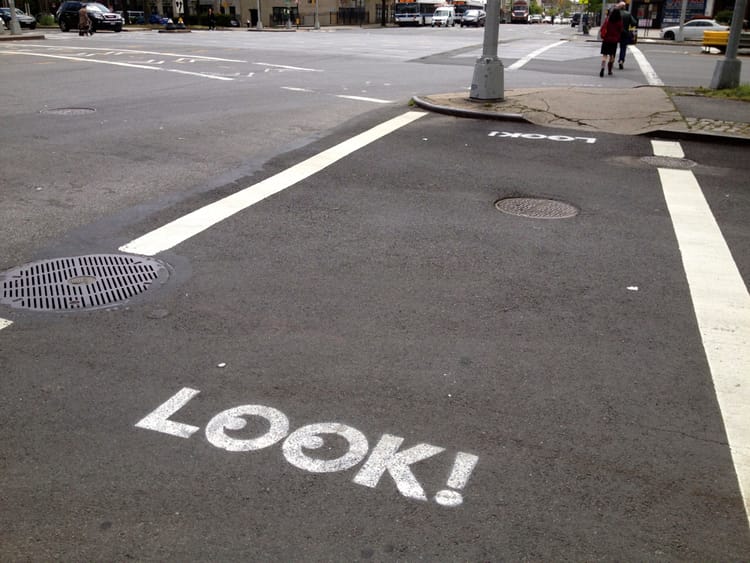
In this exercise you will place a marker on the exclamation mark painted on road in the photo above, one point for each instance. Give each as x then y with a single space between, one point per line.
462 468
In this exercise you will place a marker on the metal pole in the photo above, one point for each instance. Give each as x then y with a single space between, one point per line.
259 25
15 28
681 31
727 71
317 21
487 83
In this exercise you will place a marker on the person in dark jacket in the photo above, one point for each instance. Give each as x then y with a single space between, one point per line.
610 31
211 19
626 38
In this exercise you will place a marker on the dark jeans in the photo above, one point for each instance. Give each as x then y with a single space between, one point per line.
624 42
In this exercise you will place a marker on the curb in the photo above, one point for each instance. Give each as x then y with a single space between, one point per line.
458 112
676 134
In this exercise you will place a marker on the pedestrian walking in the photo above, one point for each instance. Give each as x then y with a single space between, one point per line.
629 23
211 19
610 31
84 23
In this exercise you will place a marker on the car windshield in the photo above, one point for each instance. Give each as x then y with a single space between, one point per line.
95 7
472 13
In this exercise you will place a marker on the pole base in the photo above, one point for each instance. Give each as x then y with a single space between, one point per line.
726 74
488 80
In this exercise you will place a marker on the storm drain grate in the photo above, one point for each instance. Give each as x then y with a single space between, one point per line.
68 111
80 282
536 208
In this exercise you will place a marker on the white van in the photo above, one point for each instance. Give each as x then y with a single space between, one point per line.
444 16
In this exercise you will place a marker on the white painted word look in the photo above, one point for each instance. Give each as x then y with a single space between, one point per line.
386 456
539 136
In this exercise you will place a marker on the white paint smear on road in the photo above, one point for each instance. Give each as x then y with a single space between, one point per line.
646 68
185 227
287 67
4 323
109 51
363 99
115 63
722 308
521 62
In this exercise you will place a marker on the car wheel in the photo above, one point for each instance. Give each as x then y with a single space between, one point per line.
32 25
669 36
118 29
64 26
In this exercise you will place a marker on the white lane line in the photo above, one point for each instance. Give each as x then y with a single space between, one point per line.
722 308
5 323
121 51
667 148
181 229
128 65
363 99
287 67
646 68
520 62
293 89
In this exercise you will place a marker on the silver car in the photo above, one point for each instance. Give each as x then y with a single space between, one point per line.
693 30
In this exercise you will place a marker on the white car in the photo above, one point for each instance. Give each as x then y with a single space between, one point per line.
693 30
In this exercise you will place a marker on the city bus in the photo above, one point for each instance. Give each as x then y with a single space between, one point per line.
414 13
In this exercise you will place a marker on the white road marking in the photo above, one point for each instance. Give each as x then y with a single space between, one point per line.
185 227
363 99
129 51
667 148
646 68
5 323
293 89
114 63
386 457
287 67
722 309
521 62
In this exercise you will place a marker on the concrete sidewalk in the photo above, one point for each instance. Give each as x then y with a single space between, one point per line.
645 110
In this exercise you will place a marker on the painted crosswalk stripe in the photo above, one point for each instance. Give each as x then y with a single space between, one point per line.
521 62
4 323
189 225
646 68
364 99
722 309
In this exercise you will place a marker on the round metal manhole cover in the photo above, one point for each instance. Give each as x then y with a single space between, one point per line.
668 162
536 208
68 111
78 283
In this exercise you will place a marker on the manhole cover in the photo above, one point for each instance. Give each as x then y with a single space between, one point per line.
536 208
668 162
68 111
80 282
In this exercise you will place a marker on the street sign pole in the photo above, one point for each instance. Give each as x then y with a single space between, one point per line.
727 71
487 83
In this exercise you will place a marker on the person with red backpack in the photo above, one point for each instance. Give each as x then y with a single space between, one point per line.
610 31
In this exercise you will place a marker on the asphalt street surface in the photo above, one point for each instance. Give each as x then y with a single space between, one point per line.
374 362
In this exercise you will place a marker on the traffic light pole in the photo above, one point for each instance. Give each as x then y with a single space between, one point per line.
488 80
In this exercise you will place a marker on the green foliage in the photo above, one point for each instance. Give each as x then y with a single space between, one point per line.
535 8
742 92
724 16
47 20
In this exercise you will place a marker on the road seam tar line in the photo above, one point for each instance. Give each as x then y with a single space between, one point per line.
189 225
722 307
115 63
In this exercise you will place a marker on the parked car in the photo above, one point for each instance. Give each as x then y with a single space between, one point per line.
24 20
101 17
547 19
444 16
474 18
535 18
158 19
575 19
693 29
